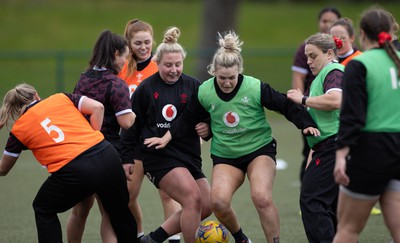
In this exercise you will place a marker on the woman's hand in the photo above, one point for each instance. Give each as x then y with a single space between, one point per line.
340 167
159 143
128 168
203 129
312 131
295 95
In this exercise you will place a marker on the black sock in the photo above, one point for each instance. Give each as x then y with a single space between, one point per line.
159 235
239 236
174 241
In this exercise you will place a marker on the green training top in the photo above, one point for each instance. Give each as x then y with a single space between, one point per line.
327 121
382 84
239 126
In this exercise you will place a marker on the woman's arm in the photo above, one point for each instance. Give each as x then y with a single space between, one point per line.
353 113
126 120
6 164
330 100
192 114
297 114
327 102
95 109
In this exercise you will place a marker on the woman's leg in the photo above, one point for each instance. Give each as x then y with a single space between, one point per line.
318 196
59 193
180 185
170 206
77 220
205 192
352 216
106 229
111 188
225 181
261 173
390 204
134 189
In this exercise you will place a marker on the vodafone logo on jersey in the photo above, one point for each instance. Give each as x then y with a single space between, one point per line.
231 119
169 112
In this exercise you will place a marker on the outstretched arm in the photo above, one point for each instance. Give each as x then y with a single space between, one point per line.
276 101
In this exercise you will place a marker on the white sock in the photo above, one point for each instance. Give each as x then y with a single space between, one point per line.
175 237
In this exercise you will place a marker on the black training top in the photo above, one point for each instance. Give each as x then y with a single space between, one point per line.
157 104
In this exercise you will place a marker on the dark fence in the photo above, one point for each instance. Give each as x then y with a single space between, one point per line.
58 70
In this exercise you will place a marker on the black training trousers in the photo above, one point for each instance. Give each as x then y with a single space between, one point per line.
319 195
99 173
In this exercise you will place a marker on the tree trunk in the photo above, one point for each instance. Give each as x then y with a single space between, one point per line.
218 16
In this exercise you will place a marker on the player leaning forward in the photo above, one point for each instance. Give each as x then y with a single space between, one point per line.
242 138
80 160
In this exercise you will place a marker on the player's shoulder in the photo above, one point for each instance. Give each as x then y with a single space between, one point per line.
191 79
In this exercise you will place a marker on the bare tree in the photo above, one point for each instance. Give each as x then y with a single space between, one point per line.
218 16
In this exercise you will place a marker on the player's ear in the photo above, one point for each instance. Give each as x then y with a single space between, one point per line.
36 96
116 54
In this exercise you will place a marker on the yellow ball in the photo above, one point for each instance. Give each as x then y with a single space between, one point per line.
212 232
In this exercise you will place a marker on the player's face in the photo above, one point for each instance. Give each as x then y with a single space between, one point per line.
120 58
171 67
316 59
326 21
141 45
227 78
340 32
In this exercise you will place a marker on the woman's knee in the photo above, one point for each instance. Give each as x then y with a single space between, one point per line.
261 201
219 204
189 199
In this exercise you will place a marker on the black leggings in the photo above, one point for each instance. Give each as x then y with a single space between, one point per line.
99 173
319 195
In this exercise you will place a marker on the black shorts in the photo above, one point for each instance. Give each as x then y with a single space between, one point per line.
244 161
373 163
155 176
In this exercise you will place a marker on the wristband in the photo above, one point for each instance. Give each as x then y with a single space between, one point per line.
303 101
